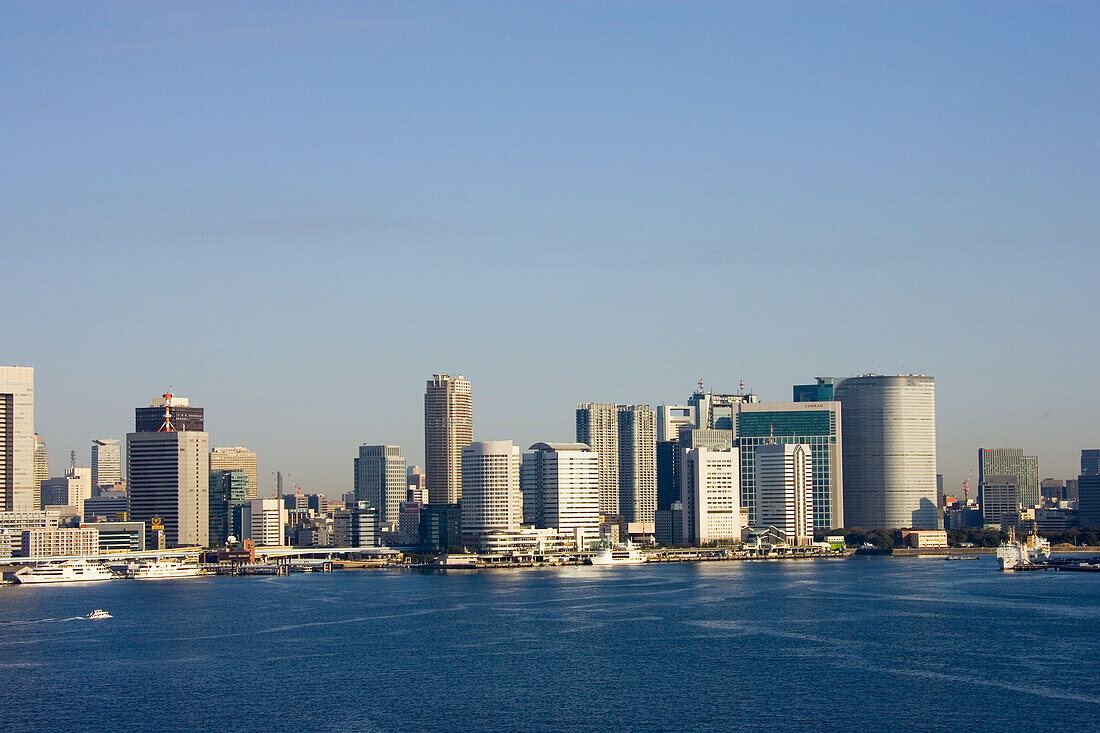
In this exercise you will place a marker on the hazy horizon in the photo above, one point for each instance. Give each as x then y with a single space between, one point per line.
293 215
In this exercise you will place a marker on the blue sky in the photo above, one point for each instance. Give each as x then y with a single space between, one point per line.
295 213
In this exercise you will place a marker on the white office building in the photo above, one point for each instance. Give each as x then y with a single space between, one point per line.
60 541
13 524
264 522
69 490
17 439
889 451
491 497
106 462
784 490
561 490
710 487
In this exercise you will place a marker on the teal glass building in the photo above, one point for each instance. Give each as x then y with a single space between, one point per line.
816 424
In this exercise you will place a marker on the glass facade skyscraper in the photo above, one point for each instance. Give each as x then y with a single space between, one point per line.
817 425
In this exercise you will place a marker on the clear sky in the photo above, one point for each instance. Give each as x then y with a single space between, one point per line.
295 213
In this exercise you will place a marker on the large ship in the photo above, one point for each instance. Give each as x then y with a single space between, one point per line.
164 569
69 571
1012 554
626 554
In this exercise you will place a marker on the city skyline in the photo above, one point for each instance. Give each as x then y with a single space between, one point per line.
230 197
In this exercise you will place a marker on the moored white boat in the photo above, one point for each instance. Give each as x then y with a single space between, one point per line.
69 571
626 554
164 569
1012 554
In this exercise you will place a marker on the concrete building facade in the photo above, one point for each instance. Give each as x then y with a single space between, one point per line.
238 458
637 463
382 480
448 428
598 428
1012 461
491 497
41 467
711 495
889 453
17 439
784 488
169 481
560 483
106 462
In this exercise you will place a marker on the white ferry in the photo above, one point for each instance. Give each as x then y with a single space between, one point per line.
69 571
626 554
97 614
164 569
1013 554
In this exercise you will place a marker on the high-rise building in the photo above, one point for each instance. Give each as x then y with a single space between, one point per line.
41 468
381 480
440 527
561 489
598 428
889 452
491 497
418 485
264 522
668 473
711 489
670 418
106 462
238 458
1000 498
784 490
228 490
637 463
17 439
168 475
70 490
170 408
356 526
716 411
1005 461
822 391
1087 489
1090 462
448 428
816 424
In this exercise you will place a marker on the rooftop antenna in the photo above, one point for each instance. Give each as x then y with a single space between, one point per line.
700 385
72 459
167 426
742 387
771 435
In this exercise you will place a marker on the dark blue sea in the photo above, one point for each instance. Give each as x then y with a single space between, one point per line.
861 644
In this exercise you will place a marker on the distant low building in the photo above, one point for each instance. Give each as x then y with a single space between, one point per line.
441 527
119 536
356 527
920 538
60 542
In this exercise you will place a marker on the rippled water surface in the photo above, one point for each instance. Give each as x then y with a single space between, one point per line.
828 645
